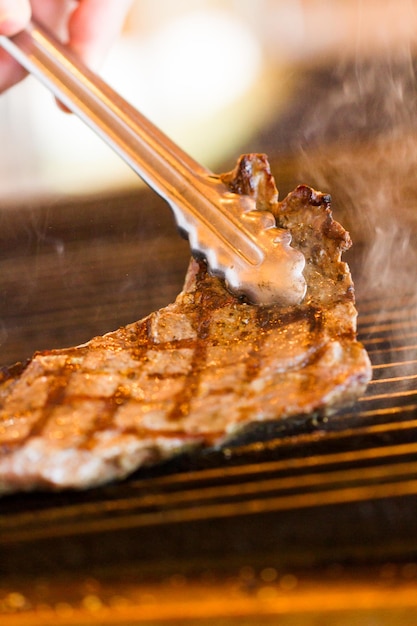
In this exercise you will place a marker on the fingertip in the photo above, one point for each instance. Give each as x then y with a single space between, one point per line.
93 28
10 27
11 71
14 16
63 107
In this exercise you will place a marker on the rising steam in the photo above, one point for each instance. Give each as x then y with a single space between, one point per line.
360 144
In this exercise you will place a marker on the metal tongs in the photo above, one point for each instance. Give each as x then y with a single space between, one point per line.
239 243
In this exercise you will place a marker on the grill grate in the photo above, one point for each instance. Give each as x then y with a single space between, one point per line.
354 476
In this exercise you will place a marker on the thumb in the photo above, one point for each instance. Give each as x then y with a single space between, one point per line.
14 15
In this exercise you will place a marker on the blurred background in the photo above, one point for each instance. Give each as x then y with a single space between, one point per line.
212 74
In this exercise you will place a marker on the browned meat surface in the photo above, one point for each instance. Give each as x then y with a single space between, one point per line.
194 372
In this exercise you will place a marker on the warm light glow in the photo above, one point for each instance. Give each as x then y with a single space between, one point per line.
198 64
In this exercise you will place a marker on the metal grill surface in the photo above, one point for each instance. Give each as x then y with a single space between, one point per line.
314 491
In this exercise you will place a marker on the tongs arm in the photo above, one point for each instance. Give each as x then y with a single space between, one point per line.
204 208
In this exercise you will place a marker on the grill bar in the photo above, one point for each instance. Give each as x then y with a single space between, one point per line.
388 476
333 494
380 472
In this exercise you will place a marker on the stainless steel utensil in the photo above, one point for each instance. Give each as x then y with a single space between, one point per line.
240 243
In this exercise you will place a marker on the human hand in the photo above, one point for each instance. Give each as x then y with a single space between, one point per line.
89 27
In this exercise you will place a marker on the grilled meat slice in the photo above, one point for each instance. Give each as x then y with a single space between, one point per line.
192 373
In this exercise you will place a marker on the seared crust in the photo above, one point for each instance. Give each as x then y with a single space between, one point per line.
194 372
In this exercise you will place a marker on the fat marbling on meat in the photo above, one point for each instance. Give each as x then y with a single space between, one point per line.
195 372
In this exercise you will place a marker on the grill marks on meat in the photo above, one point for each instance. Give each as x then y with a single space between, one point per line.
194 372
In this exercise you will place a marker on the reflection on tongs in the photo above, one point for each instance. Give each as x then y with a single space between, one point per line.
239 243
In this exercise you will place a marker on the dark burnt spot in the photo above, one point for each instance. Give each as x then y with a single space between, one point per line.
253 360
12 371
272 317
318 199
315 318
267 317
349 336
242 299
162 376
306 195
215 296
302 194
299 199
138 339
243 180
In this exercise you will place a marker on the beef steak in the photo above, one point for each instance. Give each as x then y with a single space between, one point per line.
194 372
